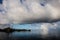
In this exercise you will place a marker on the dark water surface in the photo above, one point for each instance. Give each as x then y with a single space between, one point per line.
27 35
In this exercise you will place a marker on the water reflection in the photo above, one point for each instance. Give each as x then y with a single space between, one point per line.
27 35
22 35
19 35
4 36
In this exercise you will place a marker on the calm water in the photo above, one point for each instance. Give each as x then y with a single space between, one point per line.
27 35
20 35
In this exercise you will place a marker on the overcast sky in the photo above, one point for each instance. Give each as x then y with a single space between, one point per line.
30 11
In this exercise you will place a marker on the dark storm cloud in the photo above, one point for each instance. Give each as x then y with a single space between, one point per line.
31 21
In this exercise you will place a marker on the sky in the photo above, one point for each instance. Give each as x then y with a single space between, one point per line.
33 14
29 11
0 1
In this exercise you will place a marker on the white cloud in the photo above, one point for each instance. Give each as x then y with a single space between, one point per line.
17 12
49 29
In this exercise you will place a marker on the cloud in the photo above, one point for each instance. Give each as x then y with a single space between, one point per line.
4 26
3 16
48 29
29 11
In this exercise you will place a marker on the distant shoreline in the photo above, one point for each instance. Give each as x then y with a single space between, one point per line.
9 30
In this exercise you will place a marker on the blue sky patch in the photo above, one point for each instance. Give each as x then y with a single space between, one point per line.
1 1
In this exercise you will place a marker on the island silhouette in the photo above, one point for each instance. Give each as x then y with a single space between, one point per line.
9 30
